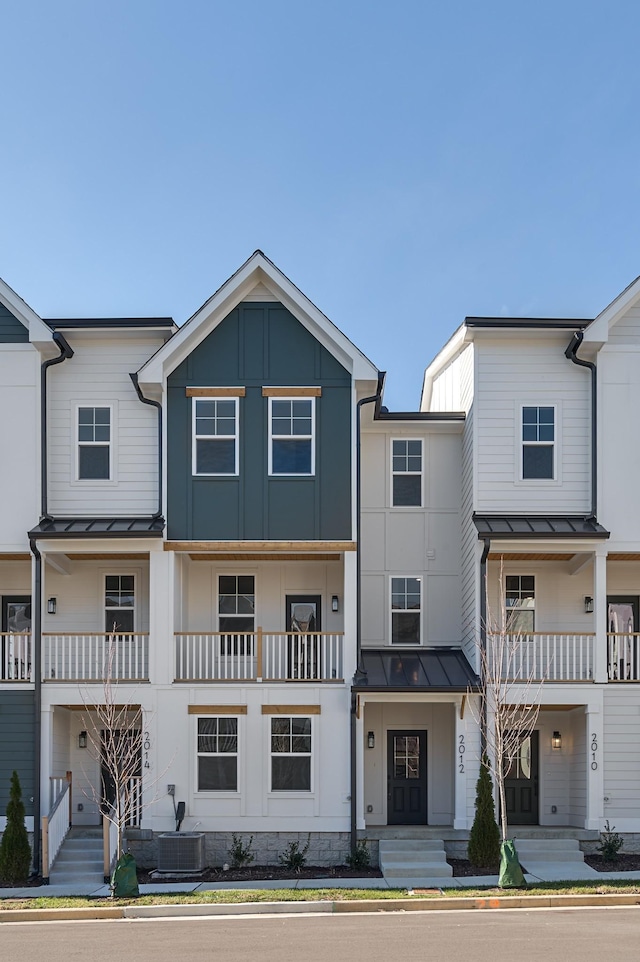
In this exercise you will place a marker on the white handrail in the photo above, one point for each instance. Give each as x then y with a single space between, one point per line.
86 657
545 656
260 655
55 828
15 656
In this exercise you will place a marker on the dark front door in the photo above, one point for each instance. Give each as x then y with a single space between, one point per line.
303 621
521 784
622 624
406 778
15 658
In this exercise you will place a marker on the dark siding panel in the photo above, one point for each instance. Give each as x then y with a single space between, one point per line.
17 750
291 510
12 331
334 431
215 509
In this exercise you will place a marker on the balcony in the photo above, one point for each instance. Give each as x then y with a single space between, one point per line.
15 656
90 657
541 656
259 656
623 656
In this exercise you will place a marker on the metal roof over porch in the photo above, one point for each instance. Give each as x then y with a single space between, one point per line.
424 669
537 526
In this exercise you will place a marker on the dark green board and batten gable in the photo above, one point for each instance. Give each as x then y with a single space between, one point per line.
261 345
12 331
17 741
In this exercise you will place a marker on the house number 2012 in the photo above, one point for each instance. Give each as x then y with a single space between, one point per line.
146 745
594 749
461 751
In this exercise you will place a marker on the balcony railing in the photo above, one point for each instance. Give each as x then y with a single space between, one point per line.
540 656
91 657
259 656
623 656
15 656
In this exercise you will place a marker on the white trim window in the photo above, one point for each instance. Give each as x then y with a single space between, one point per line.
217 753
520 603
292 436
120 603
215 437
236 612
291 753
94 437
538 443
406 611
406 472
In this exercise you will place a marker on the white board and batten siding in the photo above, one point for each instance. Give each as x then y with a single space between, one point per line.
622 757
619 440
511 374
452 388
98 375
19 443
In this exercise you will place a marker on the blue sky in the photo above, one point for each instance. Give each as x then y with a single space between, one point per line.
404 164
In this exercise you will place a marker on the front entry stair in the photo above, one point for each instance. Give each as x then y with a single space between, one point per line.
80 859
408 862
533 851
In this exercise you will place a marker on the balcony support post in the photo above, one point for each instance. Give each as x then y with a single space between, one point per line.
162 565
594 761
600 615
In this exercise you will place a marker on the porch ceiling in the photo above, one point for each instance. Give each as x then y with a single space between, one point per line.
425 669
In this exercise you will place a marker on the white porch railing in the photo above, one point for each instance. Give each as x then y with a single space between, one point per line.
15 656
623 656
56 825
546 656
131 808
259 656
88 657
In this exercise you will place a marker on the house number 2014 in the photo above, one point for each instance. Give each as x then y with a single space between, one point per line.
594 749
146 745
461 751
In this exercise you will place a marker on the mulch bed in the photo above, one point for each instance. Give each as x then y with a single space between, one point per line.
623 863
462 868
30 883
259 873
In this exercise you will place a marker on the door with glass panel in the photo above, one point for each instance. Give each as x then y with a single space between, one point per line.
15 647
623 640
521 783
406 778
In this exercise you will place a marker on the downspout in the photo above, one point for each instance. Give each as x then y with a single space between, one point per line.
360 676
158 405
36 608
65 353
571 355
483 640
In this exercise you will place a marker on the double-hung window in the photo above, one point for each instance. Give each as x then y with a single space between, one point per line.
119 603
406 611
520 602
217 754
292 436
406 471
94 444
291 754
236 612
215 436
538 443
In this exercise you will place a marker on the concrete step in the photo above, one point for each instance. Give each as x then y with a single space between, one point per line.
78 849
402 859
66 863
418 870
558 844
408 857
533 851
410 845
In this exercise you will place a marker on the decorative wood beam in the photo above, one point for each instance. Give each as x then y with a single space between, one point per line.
215 391
217 709
291 709
292 392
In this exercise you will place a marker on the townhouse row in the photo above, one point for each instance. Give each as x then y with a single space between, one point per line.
293 582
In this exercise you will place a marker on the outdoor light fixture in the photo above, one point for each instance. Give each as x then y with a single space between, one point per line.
588 604
371 740
82 740
52 604
556 741
334 602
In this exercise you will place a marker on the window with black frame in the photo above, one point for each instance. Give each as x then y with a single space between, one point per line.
217 752
290 754
236 613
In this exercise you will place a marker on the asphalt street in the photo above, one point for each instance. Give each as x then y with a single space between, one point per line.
560 935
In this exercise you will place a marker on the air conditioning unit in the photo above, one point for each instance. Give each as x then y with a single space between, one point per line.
181 852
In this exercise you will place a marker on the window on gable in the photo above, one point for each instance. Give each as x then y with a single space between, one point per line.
406 468
538 443
292 436
215 436
94 443
217 754
520 601
290 754
119 603
406 611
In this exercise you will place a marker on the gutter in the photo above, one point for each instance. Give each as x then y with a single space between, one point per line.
66 353
571 355
360 676
158 405
36 668
483 640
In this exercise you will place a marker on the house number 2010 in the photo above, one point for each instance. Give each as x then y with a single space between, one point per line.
594 749
146 745
461 751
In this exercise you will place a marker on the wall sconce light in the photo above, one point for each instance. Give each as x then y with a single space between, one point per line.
588 604
556 741
334 603
52 604
371 740
82 740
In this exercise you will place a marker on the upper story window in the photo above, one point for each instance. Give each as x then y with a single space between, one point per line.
119 603
406 472
538 443
215 436
406 611
94 444
520 601
291 436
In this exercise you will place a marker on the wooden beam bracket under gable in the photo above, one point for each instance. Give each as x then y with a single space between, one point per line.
59 562
579 562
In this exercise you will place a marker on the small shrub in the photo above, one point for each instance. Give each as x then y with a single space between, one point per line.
361 858
610 843
240 853
483 848
294 857
15 851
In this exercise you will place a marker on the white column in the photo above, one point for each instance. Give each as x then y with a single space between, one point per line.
46 754
595 767
360 820
349 610
461 759
162 565
600 615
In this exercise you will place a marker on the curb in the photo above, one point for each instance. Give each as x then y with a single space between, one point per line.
317 908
